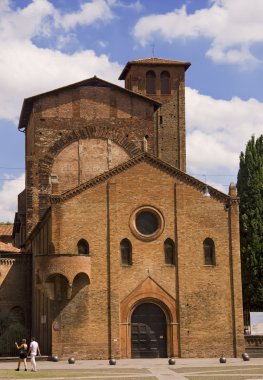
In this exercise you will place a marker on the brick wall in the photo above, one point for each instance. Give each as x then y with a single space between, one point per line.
101 215
82 306
58 120
170 118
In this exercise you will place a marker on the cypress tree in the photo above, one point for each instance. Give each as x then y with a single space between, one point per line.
250 191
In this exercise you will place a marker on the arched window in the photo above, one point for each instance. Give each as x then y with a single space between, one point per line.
60 286
126 252
81 281
165 83
169 252
209 252
83 247
150 82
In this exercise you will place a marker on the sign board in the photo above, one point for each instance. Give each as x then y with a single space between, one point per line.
256 322
43 319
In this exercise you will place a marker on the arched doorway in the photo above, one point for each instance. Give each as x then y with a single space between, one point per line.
148 332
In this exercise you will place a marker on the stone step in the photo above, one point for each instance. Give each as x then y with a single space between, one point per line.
255 352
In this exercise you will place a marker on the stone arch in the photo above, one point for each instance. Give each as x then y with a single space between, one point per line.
83 247
149 329
165 83
81 281
148 291
150 82
60 268
169 251
88 132
60 286
209 251
95 132
155 301
126 252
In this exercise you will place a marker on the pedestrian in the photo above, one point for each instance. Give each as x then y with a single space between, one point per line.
33 352
22 354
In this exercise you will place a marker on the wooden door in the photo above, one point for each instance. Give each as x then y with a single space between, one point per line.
148 332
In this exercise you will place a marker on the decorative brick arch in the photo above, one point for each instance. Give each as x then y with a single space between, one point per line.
57 273
148 291
67 265
114 134
88 132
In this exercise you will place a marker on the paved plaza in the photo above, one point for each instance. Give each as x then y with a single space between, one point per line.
139 369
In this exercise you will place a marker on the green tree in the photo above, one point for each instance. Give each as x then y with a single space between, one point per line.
10 332
250 191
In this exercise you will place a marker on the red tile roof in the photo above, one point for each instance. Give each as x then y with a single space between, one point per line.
152 61
6 229
8 248
155 61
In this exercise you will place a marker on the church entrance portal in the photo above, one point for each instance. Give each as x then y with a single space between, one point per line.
148 332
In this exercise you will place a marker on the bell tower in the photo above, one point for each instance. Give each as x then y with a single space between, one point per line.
164 81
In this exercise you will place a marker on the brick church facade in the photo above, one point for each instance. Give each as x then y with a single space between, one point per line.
131 256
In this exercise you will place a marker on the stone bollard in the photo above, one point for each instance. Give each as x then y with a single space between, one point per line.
245 357
222 359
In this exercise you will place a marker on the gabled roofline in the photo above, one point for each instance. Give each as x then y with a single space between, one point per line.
5 248
152 61
152 160
28 102
140 286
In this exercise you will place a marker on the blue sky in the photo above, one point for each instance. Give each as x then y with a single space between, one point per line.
48 44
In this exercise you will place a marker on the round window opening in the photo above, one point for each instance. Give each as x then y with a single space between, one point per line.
147 223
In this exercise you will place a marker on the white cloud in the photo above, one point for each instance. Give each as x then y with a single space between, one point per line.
103 44
137 6
8 197
233 26
217 131
26 69
4 5
36 70
23 24
89 13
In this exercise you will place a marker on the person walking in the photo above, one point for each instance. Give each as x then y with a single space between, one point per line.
33 352
22 354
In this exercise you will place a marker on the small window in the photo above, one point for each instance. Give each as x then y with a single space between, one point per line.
53 178
169 252
209 252
83 247
150 82
126 252
165 83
